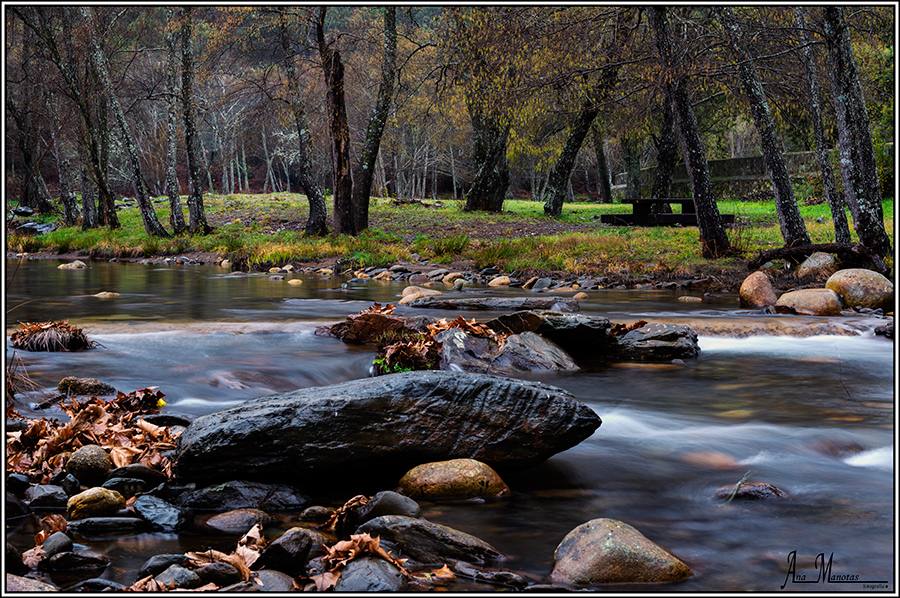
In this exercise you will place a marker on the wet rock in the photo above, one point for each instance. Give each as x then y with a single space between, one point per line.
17 483
451 277
81 564
370 575
390 421
238 521
658 342
139 471
292 550
107 295
67 482
859 287
577 334
886 329
57 542
690 299
90 464
817 267
159 513
17 584
46 497
167 419
177 576
496 577
219 573
103 526
275 581
811 302
429 542
94 502
242 494
750 490
498 303
72 385
581 296
542 283
389 502
757 291
417 279
454 479
127 487
604 551
13 560
161 562
76 265
14 506
23 211
710 460
526 352
295 282
316 513
97 584
499 281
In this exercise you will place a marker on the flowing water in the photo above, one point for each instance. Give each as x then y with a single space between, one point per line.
814 416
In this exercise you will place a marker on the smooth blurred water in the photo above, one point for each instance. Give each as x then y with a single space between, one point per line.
813 416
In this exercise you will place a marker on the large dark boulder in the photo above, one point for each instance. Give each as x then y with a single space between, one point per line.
386 423
497 303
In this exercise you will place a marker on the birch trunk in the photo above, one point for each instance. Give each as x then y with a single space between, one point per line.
196 212
176 217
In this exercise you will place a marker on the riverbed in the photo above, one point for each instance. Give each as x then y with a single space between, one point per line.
812 415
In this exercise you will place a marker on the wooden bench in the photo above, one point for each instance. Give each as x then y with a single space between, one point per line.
642 213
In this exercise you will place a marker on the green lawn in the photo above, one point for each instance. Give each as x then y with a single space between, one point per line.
264 230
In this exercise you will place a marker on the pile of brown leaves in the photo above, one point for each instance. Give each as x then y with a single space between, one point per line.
42 449
50 336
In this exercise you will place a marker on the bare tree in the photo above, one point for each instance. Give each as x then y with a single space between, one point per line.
196 213
176 217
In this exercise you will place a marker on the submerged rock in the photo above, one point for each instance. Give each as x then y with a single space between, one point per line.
103 526
383 423
811 302
76 265
658 342
454 479
750 490
72 385
859 287
498 303
604 551
757 291
429 542
886 329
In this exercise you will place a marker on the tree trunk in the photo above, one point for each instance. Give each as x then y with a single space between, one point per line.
344 221
835 200
88 190
152 224
793 229
631 155
491 178
604 188
27 140
66 194
666 154
559 182
316 224
196 213
713 240
176 217
362 175
854 139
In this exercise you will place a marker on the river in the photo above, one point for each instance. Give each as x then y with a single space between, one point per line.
814 416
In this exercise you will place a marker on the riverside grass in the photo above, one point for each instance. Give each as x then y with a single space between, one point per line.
267 229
